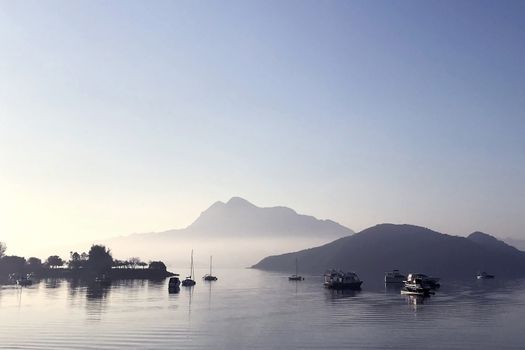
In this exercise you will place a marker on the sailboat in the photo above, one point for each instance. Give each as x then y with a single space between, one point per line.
209 276
189 282
295 277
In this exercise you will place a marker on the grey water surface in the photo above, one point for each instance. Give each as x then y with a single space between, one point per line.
252 309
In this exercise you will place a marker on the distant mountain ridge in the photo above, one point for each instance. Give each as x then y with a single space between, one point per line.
235 232
409 248
238 217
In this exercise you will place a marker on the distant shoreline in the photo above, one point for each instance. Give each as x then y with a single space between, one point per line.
112 274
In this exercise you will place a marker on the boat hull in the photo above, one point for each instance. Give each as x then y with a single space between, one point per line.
413 292
487 277
188 283
173 283
295 278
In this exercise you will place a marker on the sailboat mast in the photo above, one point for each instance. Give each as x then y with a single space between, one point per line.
210 264
296 269
191 267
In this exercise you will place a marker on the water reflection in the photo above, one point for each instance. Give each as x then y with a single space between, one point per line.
260 310
209 295
96 291
342 293
415 300
52 283
156 283
393 288
96 300
174 290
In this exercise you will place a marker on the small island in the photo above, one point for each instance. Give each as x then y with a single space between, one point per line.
97 262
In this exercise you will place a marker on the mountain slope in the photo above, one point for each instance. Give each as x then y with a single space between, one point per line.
409 248
515 242
492 243
238 217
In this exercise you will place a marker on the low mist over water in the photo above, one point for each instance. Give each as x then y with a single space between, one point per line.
260 310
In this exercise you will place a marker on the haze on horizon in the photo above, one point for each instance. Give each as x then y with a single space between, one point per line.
131 116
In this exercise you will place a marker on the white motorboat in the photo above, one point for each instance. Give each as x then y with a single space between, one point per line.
416 287
484 276
432 282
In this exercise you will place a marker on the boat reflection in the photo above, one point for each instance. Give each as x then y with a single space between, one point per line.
415 301
342 293
96 291
52 283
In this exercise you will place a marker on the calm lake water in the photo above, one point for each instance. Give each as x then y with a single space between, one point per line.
260 310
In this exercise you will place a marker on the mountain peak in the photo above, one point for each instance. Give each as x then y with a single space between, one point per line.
489 241
238 217
481 235
396 229
484 238
239 202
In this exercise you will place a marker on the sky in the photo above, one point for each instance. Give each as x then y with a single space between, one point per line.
134 116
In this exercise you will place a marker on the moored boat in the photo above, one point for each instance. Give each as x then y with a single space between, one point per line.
341 280
174 285
296 276
189 281
427 281
24 281
209 276
394 277
416 287
484 276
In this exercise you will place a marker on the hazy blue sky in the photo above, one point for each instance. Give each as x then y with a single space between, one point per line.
133 116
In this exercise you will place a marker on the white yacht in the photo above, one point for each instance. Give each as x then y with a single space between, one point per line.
394 277
432 282
416 286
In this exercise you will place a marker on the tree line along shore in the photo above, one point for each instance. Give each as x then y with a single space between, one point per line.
97 261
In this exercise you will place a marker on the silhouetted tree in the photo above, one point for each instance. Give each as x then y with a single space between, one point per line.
12 263
3 248
54 261
134 261
118 263
100 259
75 261
142 264
157 265
34 264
